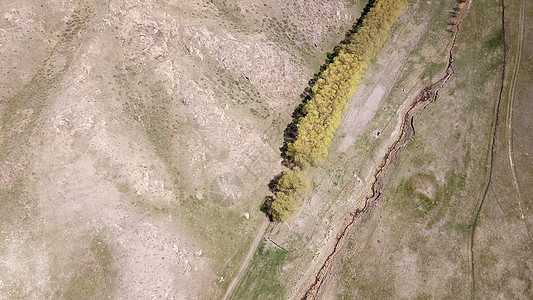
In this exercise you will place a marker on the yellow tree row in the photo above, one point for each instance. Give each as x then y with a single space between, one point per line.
330 93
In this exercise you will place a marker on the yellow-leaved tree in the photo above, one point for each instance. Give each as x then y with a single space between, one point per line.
328 99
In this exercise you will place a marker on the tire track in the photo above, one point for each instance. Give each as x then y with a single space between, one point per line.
407 132
510 106
490 156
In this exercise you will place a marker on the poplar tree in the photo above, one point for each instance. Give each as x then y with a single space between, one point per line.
329 96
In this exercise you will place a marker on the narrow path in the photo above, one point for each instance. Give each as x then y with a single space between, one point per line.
510 105
253 247
407 131
490 156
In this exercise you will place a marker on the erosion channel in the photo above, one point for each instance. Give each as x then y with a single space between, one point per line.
406 134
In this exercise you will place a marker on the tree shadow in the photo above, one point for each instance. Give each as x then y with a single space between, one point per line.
267 202
266 205
272 185
290 133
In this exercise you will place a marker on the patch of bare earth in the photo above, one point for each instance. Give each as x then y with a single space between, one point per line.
134 135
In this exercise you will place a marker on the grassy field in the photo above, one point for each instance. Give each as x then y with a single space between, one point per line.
416 240
416 244
265 284
503 241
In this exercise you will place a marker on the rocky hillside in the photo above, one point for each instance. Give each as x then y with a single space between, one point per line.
137 137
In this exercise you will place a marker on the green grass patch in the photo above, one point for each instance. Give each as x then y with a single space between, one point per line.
262 280
433 70
94 274
495 41
364 287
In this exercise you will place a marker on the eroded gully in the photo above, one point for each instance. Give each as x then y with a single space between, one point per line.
407 132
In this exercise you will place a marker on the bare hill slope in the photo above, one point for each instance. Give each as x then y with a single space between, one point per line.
137 138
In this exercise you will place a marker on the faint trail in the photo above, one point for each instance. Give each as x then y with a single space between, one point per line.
407 131
253 247
490 157
510 105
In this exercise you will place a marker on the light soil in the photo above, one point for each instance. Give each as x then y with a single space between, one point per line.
137 138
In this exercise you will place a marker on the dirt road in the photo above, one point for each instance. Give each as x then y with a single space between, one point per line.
244 266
